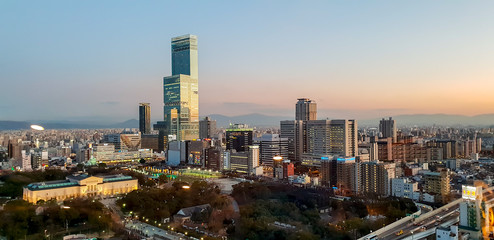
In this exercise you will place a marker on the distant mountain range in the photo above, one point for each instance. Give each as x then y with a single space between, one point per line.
437 119
260 120
19 125
401 120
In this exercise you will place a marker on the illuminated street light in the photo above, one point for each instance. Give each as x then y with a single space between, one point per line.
185 186
277 158
276 163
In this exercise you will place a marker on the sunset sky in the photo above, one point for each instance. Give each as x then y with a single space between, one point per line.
80 60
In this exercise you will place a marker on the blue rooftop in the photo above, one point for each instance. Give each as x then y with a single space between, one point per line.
50 185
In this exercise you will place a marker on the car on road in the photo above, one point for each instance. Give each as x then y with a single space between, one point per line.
399 233
418 223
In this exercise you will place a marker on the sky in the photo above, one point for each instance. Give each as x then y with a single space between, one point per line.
96 60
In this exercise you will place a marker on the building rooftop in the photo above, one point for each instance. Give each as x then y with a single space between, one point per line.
113 178
51 185
186 36
68 183
78 177
187 212
433 173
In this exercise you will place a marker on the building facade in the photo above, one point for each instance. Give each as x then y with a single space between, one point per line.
239 137
144 118
305 110
376 178
105 153
272 145
294 131
181 90
207 128
244 162
387 128
332 137
124 141
341 174
76 186
437 182
403 187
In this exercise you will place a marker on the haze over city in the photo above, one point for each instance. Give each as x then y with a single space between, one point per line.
83 60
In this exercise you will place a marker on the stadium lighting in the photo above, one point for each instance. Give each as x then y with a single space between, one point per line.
37 127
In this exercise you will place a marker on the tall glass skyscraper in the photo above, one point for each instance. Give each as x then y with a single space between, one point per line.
181 96
184 56
144 118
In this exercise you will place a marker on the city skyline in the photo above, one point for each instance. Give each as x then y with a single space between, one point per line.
246 120
413 59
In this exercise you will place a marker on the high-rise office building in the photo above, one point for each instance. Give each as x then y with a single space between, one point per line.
213 157
184 56
239 137
181 90
387 127
308 136
293 130
14 150
272 145
305 110
207 128
144 118
332 137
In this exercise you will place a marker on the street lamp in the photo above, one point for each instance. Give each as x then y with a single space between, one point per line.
66 221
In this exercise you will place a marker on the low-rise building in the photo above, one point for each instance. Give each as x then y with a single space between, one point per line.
430 198
403 187
82 185
105 153
185 214
300 179
447 233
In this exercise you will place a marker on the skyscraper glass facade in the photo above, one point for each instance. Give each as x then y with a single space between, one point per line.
181 96
184 56
144 118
